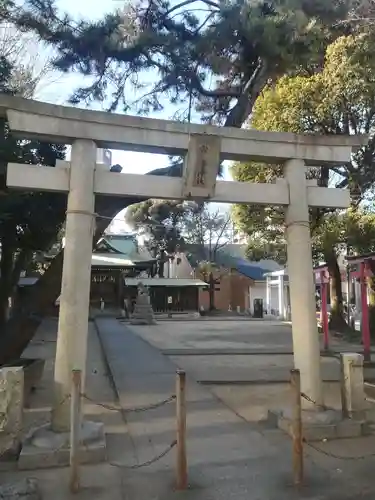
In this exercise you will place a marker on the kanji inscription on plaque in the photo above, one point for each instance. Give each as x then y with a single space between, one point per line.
201 166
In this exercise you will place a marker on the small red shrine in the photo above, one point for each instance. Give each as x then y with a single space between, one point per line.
358 270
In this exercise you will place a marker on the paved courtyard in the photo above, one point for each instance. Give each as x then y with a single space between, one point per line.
245 363
220 335
227 351
229 454
242 336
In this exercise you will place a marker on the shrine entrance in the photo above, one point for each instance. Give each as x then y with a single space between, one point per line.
203 147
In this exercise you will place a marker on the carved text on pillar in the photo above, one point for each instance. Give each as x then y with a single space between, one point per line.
201 166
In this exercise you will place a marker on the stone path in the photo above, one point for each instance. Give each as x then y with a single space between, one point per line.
237 352
228 457
210 336
102 481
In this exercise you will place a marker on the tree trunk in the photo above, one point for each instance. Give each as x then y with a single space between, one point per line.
211 291
41 297
6 288
337 321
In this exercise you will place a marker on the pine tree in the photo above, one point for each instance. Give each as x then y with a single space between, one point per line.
221 53
29 222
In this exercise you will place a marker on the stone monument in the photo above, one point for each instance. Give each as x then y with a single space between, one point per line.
11 411
143 313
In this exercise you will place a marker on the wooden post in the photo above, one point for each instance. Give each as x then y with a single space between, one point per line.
297 428
181 430
75 427
365 324
344 402
324 310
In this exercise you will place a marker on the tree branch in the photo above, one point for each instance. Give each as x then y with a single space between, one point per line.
19 265
197 85
246 101
188 2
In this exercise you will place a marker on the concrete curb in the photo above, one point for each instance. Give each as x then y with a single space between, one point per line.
245 352
255 382
106 363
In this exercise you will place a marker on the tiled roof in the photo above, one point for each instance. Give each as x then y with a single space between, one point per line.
165 282
114 260
119 251
232 256
253 270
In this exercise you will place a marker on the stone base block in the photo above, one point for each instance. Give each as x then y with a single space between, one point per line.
44 448
319 425
9 457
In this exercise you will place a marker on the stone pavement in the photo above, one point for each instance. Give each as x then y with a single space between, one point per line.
228 457
236 352
101 481
210 337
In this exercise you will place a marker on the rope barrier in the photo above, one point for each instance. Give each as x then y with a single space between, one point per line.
338 457
148 462
137 409
325 452
323 407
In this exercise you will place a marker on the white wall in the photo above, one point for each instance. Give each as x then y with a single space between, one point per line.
259 291
183 270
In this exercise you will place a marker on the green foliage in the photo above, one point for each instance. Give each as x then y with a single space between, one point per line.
338 100
5 7
32 220
360 228
29 222
160 221
206 230
194 227
221 52
264 225
354 229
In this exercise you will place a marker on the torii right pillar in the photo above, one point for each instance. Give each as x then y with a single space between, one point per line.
306 345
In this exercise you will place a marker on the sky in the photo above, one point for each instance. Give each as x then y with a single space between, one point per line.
59 92
60 89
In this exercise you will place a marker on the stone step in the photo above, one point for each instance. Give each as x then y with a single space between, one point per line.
324 425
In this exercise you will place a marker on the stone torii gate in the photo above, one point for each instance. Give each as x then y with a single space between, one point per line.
204 147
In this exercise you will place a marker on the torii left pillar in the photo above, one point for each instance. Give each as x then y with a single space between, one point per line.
71 347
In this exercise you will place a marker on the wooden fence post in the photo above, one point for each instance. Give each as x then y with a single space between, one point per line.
344 402
297 427
75 427
181 430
